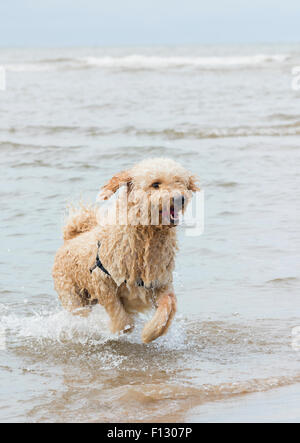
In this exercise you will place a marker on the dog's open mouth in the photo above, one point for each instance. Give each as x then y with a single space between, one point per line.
174 215
170 217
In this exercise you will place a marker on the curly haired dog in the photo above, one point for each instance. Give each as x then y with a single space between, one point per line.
127 264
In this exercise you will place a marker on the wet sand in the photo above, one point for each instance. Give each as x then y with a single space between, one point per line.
276 406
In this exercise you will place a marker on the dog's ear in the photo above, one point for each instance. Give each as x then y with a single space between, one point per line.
192 185
116 182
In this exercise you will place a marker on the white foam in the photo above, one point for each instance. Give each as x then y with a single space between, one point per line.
62 326
137 61
154 62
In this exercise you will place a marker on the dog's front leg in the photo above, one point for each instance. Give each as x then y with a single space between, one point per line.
159 324
107 294
120 320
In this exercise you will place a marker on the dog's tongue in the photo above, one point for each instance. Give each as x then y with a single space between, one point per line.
173 214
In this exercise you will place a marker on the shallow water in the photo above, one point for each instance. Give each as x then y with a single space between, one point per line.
69 119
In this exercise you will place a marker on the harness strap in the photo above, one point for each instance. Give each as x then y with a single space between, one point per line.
99 264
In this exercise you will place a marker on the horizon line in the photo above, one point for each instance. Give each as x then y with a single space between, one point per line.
148 45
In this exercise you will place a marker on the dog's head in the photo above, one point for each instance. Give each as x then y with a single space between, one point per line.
157 191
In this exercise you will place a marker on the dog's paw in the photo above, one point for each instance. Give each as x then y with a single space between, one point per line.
128 329
126 326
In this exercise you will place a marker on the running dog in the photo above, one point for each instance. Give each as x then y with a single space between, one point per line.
125 263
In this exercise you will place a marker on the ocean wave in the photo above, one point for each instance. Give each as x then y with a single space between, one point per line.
11 146
154 62
285 117
279 130
284 281
142 62
206 392
224 184
215 133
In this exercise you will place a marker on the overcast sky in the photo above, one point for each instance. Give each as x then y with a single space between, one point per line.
146 22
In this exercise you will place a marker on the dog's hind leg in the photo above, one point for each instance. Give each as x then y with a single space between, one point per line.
72 299
160 323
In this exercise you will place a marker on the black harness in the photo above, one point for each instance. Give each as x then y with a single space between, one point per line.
140 283
99 264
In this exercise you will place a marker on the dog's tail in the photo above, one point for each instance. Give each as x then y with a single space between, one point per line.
80 220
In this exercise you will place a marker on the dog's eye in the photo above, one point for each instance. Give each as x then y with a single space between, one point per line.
156 185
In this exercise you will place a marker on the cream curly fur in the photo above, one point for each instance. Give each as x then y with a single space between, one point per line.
129 252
